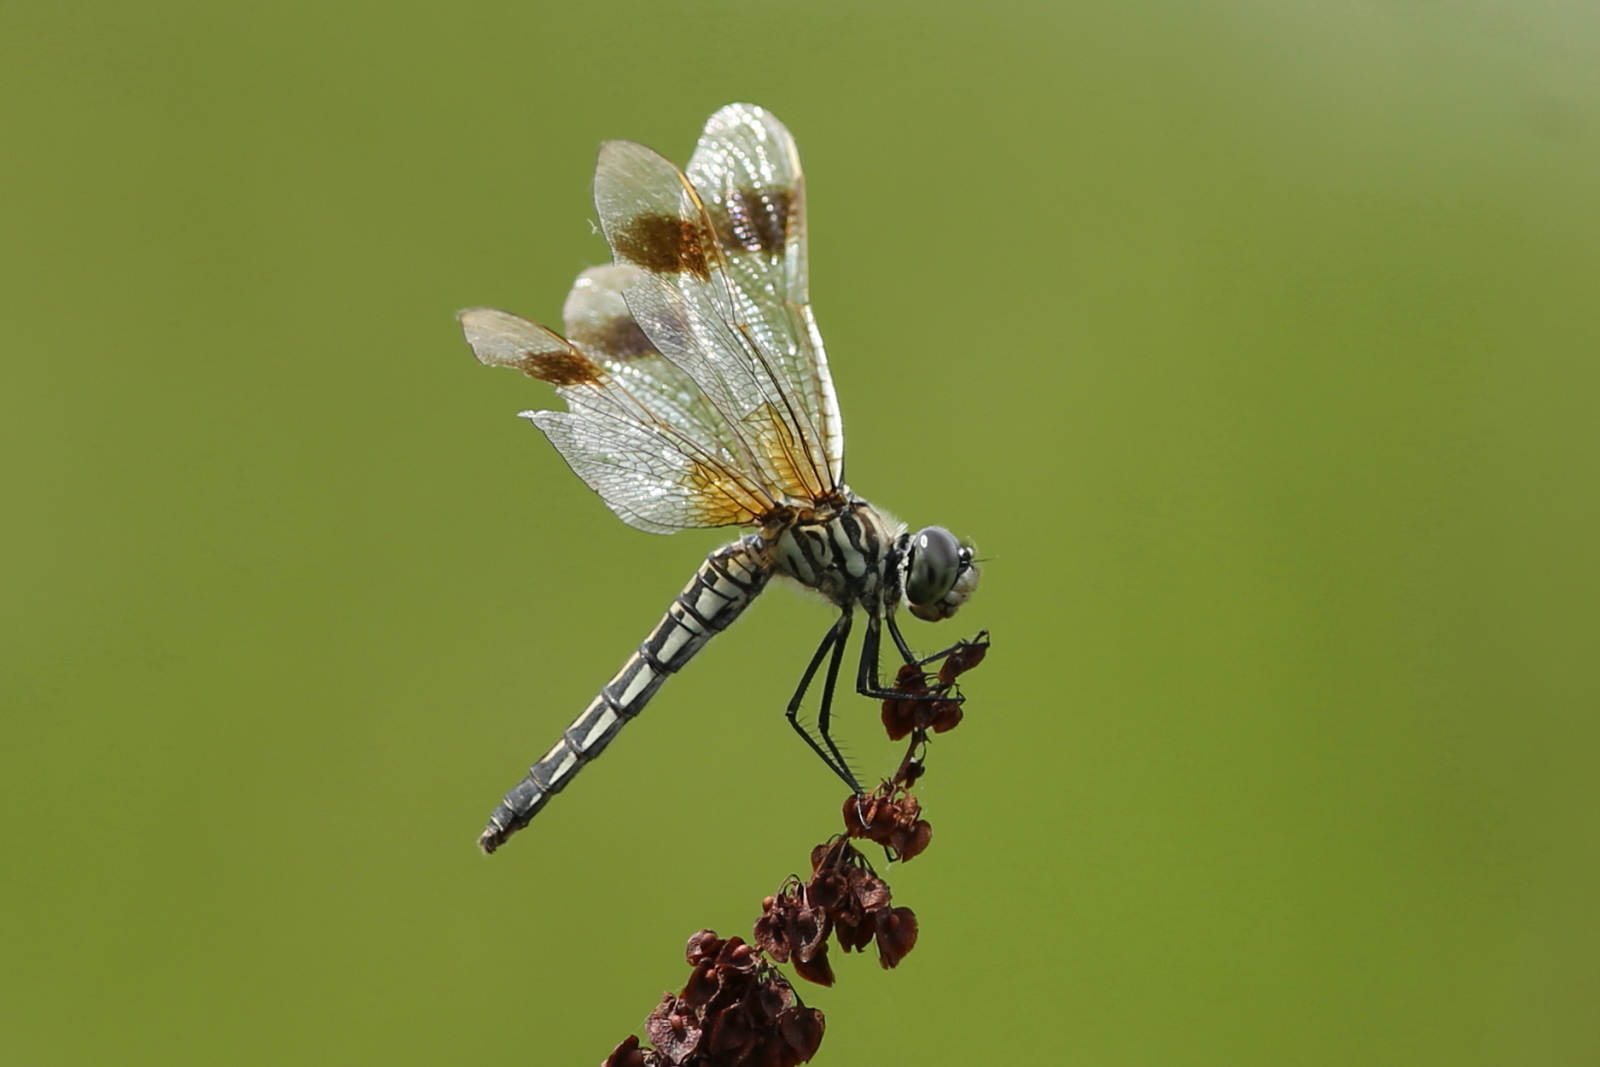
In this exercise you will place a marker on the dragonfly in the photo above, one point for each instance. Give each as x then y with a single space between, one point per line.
697 394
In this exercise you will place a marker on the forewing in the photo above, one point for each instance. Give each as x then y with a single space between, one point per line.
600 325
688 305
652 463
746 169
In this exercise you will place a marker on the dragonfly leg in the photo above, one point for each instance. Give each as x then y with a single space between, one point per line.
833 641
867 681
900 642
825 712
911 658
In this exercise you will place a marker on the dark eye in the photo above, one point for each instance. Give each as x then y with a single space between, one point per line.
934 563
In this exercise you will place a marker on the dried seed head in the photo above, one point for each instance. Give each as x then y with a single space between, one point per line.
826 889
802 1029
911 769
703 946
772 929
736 956
853 932
891 816
737 1010
808 932
733 1034
906 715
674 1029
964 657
940 715
896 933
774 997
911 841
627 1054
870 891
900 716
817 969
702 985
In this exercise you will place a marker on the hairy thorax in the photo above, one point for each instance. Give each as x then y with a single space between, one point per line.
846 550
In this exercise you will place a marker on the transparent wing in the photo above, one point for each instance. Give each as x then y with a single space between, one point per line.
687 302
653 455
746 169
600 325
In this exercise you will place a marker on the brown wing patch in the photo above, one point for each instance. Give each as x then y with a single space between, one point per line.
665 244
569 367
502 339
754 220
614 338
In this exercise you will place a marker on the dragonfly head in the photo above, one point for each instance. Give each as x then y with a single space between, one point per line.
939 573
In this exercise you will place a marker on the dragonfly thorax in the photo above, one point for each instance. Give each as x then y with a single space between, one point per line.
850 553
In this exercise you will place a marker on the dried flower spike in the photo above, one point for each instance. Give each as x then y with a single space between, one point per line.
735 1011
890 816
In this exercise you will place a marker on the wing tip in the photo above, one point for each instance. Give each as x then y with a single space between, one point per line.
739 107
732 116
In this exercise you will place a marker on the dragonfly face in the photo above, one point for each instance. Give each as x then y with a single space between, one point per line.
940 574
697 394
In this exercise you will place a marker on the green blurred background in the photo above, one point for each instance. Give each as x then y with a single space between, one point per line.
1256 343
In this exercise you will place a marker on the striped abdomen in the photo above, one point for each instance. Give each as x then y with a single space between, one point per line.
723 587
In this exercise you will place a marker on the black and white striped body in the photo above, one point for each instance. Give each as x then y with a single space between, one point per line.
848 554
721 589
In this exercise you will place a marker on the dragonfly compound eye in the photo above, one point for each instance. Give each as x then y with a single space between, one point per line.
932 566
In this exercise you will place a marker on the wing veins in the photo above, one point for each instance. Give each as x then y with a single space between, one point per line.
742 329
676 438
725 305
